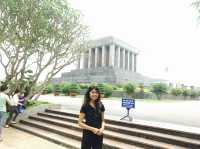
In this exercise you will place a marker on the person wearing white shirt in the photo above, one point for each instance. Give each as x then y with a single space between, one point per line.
13 109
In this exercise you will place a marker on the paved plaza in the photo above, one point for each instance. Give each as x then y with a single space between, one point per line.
16 139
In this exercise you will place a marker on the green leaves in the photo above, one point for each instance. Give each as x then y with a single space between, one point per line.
105 89
159 89
129 88
74 88
39 38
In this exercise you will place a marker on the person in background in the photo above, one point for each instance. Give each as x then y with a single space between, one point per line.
4 98
92 111
13 109
21 103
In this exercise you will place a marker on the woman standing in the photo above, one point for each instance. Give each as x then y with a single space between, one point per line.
3 100
92 111
13 109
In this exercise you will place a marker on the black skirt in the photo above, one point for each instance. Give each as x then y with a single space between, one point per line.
91 140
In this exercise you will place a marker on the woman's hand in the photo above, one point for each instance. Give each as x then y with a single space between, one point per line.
100 132
95 130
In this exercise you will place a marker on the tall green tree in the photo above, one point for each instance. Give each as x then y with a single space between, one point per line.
41 36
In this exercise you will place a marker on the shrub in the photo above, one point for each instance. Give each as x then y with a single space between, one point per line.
176 91
84 86
74 88
50 88
140 92
93 84
105 89
56 88
115 87
64 87
159 89
185 92
129 88
108 90
194 93
101 88
141 87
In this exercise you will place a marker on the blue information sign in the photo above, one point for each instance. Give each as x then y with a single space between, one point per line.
128 103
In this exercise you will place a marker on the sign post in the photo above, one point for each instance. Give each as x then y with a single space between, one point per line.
128 103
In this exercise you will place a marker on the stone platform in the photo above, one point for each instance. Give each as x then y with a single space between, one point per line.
104 75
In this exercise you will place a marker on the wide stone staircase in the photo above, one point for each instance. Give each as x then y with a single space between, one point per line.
61 127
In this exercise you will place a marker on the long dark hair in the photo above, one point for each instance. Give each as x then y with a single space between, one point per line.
87 98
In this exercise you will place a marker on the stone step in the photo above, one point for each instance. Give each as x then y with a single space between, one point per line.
171 139
141 126
50 136
176 140
76 134
61 112
58 117
69 142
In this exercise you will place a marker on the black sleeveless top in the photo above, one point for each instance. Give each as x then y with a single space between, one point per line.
93 116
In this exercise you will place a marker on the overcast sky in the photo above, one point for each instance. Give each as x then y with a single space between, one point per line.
166 32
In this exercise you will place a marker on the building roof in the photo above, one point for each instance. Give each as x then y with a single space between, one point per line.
112 40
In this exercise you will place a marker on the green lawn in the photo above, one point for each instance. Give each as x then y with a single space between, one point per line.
34 103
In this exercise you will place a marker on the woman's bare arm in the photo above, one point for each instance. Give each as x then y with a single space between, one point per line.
103 121
85 126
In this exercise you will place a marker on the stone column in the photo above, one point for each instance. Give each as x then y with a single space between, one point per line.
84 60
124 59
92 58
131 61
95 59
89 58
103 56
128 53
135 62
121 58
79 63
118 57
111 55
